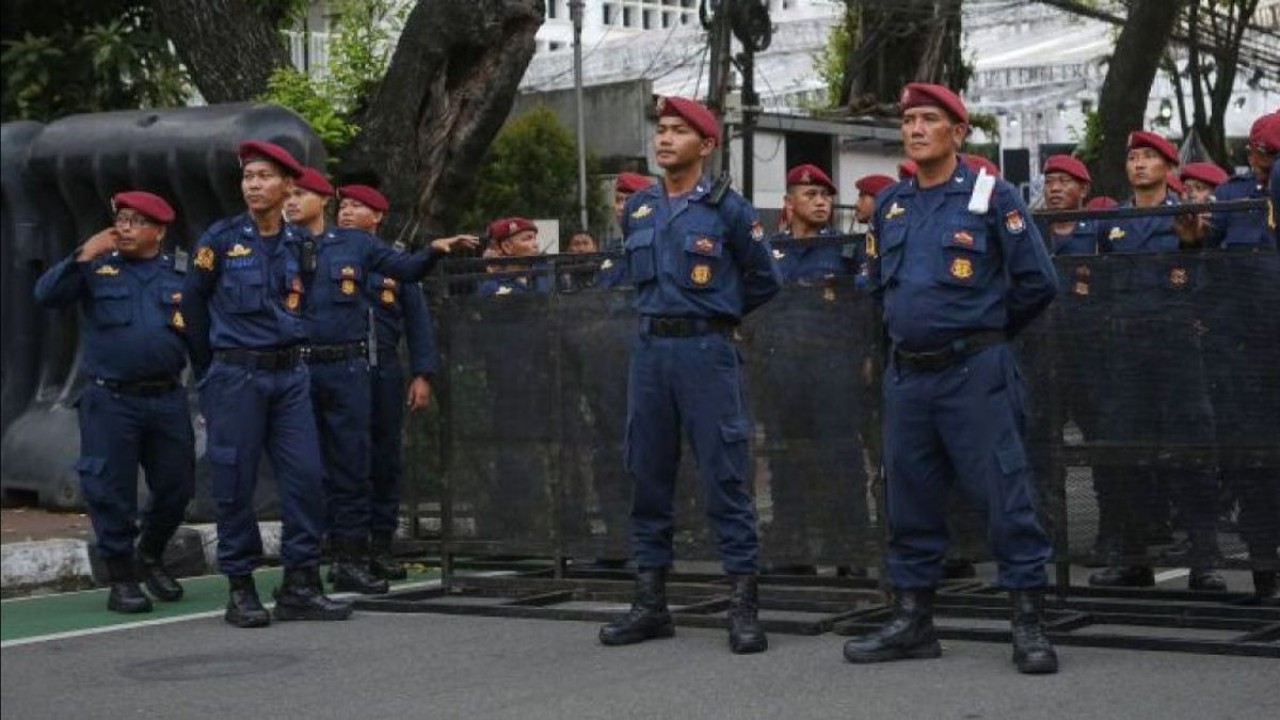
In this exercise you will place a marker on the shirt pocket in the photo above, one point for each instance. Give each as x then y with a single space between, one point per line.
244 289
641 263
893 242
703 262
964 253
112 305
345 275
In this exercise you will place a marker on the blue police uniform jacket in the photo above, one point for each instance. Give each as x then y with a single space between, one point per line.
613 272
336 307
537 281
1153 233
688 258
1082 240
1241 229
133 325
799 262
944 272
400 310
1274 213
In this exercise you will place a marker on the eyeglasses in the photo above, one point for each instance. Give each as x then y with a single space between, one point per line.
124 221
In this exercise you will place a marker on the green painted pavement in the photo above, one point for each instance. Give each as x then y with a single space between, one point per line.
23 618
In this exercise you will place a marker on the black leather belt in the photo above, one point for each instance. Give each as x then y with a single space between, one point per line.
662 326
270 359
337 353
953 352
153 386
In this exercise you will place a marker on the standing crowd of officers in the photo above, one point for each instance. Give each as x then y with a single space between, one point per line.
292 325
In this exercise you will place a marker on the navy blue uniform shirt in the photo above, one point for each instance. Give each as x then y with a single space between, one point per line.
1241 229
945 272
688 258
1082 240
798 261
133 326
1153 233
400 310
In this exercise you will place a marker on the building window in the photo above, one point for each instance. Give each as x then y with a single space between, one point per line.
628 19
610 15
647 19
554 46
551 9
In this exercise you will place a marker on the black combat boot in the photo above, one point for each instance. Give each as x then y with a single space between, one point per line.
648 617
745 634
302 598
909 634
125 595
1206 580
1117 575
1032 651
159 582
349 571
382 563
244 609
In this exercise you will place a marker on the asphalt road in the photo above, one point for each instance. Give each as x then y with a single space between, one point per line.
438 666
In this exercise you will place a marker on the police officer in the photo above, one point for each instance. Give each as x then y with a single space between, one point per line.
335 263
960 270
515 237
613 271
869 186
1200 181
1158 398
243 303
134 410
699 261
400 311
808 204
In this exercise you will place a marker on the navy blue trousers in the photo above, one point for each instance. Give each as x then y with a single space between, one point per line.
117 434
690 386
340 396
387 465
247 411
963 424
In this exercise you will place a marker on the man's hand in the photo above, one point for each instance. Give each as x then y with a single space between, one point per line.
419 395
1191 229
446 245
100 244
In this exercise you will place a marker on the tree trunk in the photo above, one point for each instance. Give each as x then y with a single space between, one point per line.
228 47
915 40
1226 24
450 86
1123 102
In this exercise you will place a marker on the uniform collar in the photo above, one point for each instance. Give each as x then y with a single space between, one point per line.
961 181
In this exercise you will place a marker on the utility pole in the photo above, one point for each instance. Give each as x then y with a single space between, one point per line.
575 14
715 20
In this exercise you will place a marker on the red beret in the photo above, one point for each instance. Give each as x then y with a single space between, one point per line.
977 162
1142 138
1265 133
1068 165
629 182
873 184
694 113
906 169
503 228
365 195
1205 172
1171 179
920 94
261 150
1101 202
312 180
809 175
153 206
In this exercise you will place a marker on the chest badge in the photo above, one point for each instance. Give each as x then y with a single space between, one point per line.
1178 277
504 290
962 238
1014 223
389 283
1115 234
641 212
348 287
204 258
701 274
961 268
178 321
704 245
894 211
388 297
294 297
236 250
778 254
107 270
175 298
607 264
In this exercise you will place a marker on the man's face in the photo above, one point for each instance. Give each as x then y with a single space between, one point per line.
355 214
1196 191
264 185
865 206
810 204
1261 161
1064 192
303 206
137 234
581 243
929 133
522 244
1146 169
676 145
619 200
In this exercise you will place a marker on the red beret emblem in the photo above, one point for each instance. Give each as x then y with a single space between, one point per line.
511 228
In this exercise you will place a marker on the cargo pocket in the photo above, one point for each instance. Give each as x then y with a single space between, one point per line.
1013 465
704 265
92 471
111 305
734 435
222 462
244 289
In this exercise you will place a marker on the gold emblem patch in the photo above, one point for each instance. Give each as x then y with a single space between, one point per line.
1115 234
1178 277
106 270
871 244
1081 285
292 300
389 283
348 287
961 268
778 254
640 212
178 320
701 274
894 211
704 245
388 297
237 250
348 271
204 258
1013 222
962 238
